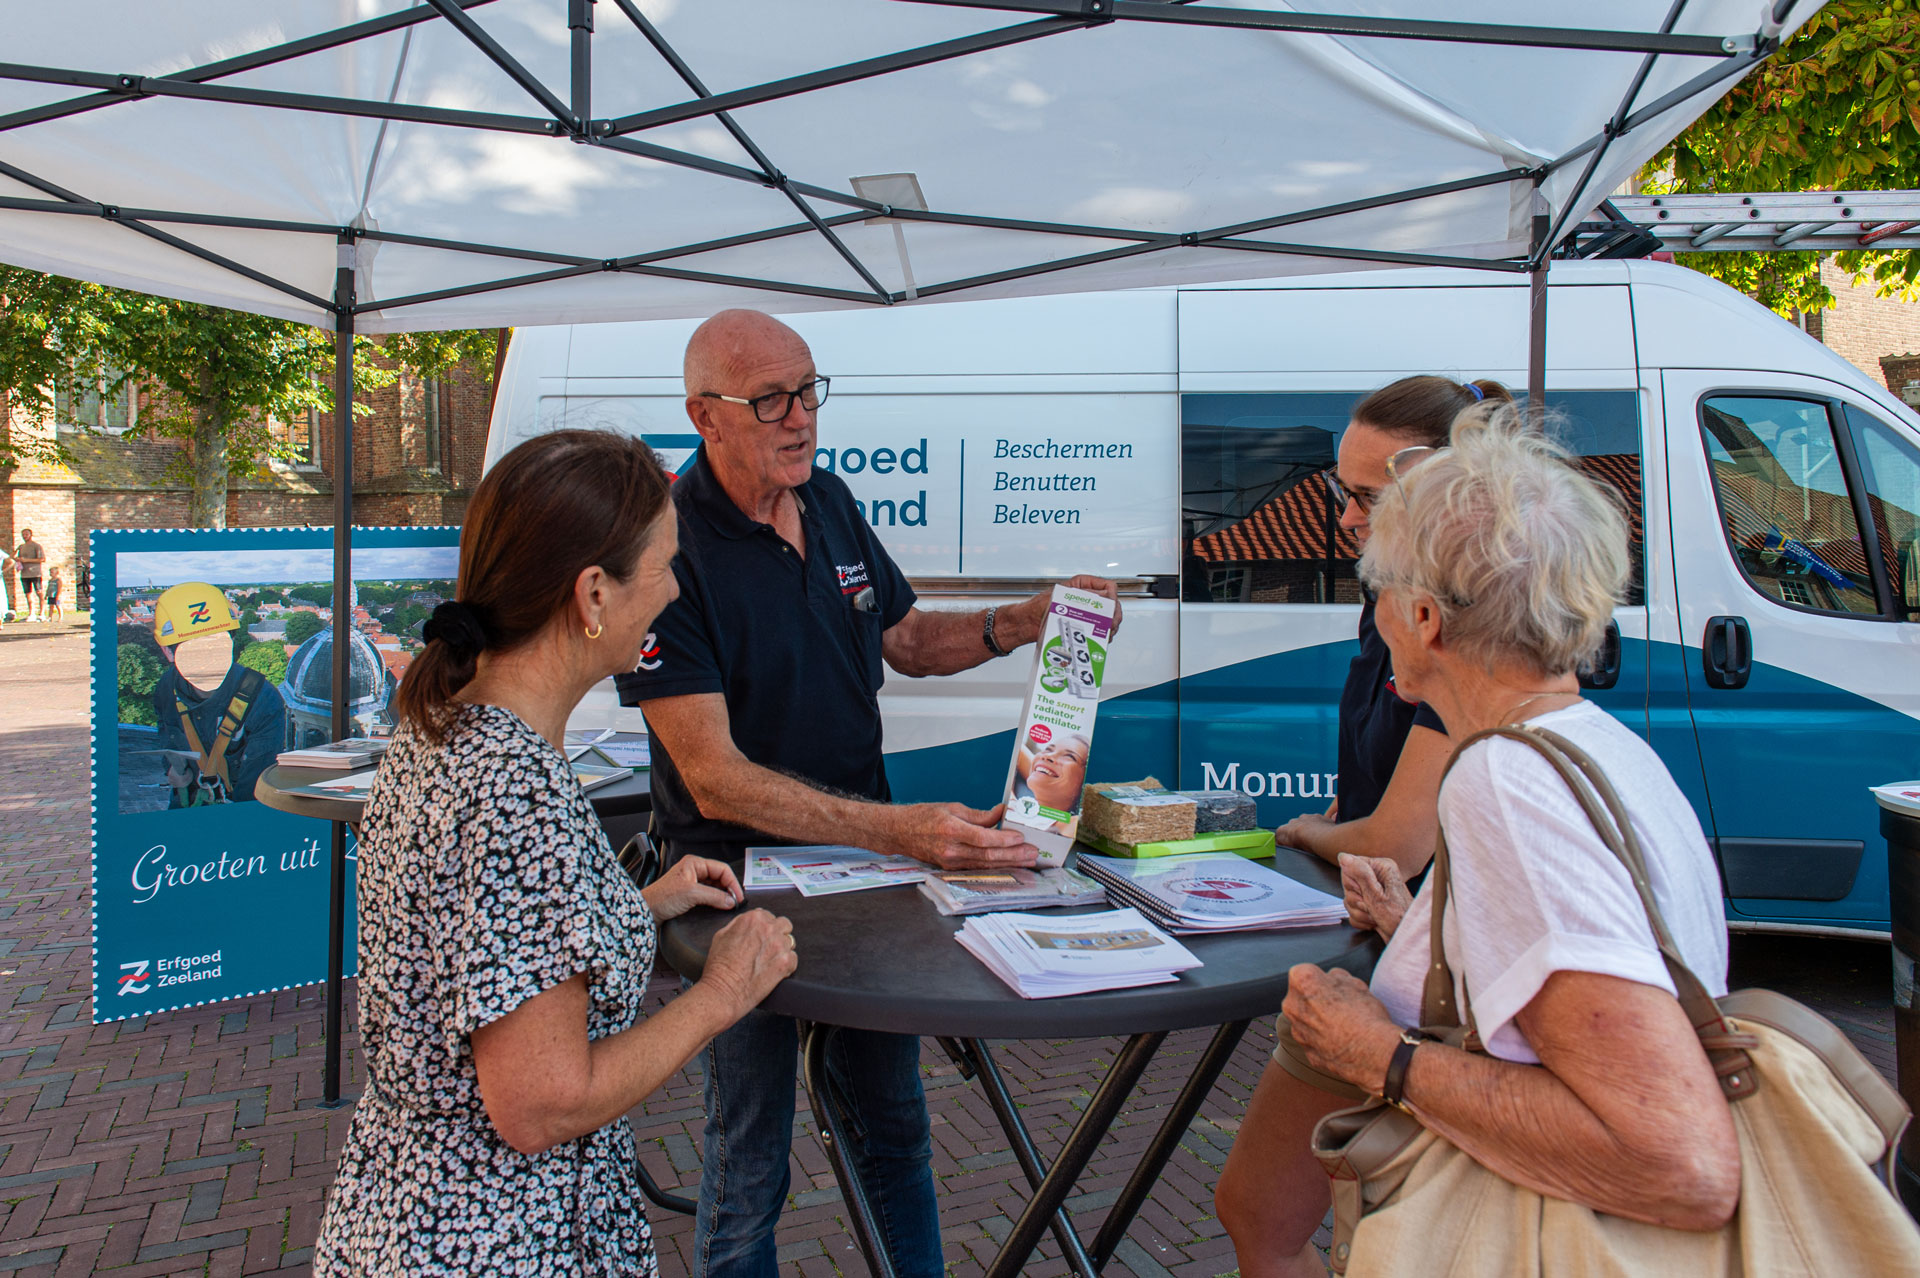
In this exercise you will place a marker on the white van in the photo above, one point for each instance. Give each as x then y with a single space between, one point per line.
1176 439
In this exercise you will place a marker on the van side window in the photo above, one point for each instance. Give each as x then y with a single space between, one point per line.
1259 519
1260 522
1890 465
1602 430
1782 489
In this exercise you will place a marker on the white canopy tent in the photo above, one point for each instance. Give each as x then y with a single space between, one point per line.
387 165
496 162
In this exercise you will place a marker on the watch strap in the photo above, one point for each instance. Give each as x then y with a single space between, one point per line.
1394 1089
987 636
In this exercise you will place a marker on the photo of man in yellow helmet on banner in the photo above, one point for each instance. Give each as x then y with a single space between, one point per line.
219 723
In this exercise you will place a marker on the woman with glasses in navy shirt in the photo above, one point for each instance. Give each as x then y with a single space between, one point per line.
1392 753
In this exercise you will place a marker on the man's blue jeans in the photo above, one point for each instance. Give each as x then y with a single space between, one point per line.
749 1096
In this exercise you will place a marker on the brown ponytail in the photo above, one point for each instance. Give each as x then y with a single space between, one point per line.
549 510
1421 410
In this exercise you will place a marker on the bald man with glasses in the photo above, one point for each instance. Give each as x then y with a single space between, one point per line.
761 690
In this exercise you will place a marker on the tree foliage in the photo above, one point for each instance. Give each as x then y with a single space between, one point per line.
1836 109
302 626
268 657
224 373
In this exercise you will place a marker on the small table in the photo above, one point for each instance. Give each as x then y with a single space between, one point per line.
886 960
629 796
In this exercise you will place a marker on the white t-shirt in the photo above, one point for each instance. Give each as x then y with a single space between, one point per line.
1535 891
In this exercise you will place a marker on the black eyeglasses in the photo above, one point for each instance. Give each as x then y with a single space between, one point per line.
775 405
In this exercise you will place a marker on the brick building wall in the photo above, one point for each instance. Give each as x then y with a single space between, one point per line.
1861 327
417 458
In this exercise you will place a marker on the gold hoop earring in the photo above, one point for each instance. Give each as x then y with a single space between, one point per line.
593 633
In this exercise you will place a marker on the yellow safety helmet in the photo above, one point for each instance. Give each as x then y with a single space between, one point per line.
189 610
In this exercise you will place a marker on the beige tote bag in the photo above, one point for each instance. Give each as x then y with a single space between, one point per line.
1817 1128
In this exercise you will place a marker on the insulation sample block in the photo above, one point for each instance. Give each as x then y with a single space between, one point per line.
1222 811
1135 814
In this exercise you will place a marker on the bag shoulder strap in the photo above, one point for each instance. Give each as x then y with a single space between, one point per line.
1608 815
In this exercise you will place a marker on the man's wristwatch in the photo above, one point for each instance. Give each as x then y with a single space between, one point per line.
986 634
1394 1090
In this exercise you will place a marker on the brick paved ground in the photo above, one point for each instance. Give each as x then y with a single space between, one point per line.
188 1142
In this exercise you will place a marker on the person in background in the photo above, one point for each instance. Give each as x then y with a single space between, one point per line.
504 954
30 561
1497 565
763 703
55 612
1393 748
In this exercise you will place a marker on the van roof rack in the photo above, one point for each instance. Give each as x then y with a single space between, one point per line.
1747 221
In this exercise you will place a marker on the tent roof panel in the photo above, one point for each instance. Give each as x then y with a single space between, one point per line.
1155 136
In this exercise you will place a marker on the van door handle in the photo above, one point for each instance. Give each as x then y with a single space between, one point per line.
1606 662
1726 652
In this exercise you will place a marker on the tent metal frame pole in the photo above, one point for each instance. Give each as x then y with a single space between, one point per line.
343 303
1667 101
1537 263
476 35
691 79
830 77
1616 127
1379 28
580 34
235 66
139 86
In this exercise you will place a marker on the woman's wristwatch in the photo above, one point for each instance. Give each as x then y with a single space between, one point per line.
1393 1091
986 634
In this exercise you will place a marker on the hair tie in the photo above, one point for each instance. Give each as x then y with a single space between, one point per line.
1475 391
458 626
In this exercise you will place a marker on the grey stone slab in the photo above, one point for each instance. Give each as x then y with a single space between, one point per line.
204 1202
191 1246
213 1160
28 1259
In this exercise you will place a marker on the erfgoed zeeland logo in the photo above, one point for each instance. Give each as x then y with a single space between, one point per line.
649 654
133 977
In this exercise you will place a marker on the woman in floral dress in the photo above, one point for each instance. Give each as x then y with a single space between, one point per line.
504 954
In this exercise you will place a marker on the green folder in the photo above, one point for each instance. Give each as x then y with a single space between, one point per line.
1253 844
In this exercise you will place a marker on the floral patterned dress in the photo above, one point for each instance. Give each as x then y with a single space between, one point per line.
484 878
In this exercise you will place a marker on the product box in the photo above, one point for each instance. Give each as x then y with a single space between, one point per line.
1049 765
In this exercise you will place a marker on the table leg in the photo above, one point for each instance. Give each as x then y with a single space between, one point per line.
830 1114
980 1062
1207 1072
1074 1155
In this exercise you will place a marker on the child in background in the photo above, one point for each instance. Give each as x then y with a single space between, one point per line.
54 612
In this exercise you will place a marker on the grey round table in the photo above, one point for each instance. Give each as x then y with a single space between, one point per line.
886 960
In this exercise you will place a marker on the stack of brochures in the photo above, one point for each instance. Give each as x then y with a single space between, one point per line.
354 752
1212 892
1051 955
977 891
828 869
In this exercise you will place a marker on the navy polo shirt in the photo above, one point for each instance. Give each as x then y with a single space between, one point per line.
1374 722
792 642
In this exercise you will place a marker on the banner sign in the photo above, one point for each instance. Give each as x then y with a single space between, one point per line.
978 485
212 653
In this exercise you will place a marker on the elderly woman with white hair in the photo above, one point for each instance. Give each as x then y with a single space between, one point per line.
1497 565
